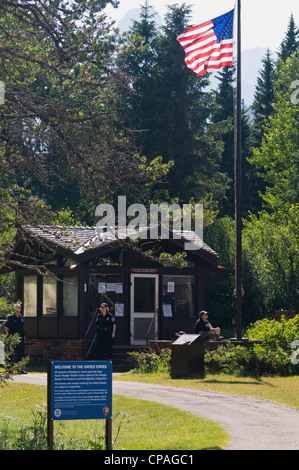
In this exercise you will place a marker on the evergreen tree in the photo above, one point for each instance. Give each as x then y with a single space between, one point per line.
263 99
223 113
272 234
137 102
170 106
60 126
183 107
290 43
277 157
224 101
252 182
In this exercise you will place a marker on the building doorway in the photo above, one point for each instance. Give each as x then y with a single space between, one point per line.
144 303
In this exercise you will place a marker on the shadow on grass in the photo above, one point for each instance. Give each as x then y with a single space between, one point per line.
236 381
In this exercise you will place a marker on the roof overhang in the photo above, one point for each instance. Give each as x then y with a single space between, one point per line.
84 243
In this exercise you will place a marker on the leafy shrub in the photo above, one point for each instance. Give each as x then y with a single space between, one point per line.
275 334
9 342
6 308
249 361
273 356
149 362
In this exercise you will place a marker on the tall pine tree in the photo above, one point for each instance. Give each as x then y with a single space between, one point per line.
223 113
171 108
290 44
138 59
264 96
223 116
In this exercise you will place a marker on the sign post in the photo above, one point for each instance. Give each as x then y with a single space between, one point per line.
80 390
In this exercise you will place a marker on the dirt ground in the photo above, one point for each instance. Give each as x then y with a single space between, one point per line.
253 424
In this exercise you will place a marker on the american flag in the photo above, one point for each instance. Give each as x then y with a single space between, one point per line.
210 44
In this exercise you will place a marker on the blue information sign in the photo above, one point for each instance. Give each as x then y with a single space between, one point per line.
81 390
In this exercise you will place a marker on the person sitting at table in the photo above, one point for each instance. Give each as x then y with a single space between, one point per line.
203 324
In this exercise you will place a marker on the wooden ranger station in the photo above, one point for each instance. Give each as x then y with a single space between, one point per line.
149 301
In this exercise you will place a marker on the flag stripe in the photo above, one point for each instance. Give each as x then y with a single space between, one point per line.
209 45
201 42
215 64
203 52
215 54
198 35
196 30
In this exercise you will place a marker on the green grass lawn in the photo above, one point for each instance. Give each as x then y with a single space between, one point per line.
143 425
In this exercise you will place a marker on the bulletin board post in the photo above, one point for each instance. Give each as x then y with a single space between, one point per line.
79 390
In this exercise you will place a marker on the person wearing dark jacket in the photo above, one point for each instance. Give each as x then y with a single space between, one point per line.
105 329
15 325
203 324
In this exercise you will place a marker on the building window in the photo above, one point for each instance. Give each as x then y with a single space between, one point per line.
108 288
30 296
49 297
70 296
178 296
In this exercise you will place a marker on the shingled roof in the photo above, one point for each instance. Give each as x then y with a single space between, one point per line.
79 241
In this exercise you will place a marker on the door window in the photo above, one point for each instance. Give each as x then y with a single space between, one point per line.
144 295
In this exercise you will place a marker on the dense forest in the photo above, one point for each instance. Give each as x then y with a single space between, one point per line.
91 114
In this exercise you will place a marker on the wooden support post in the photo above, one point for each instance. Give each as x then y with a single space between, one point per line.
109 434
50 424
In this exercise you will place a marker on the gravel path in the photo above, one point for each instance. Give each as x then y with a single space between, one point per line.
253 424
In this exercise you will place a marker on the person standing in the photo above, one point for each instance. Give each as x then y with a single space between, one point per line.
105 329
15 324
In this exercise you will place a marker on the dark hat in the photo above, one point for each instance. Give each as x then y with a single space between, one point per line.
203 312
104 305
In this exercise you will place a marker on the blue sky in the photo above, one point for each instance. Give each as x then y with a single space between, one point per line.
264 22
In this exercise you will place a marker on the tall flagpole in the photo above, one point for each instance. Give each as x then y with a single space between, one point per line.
238 183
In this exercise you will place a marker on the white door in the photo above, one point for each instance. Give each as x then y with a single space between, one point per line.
144 302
